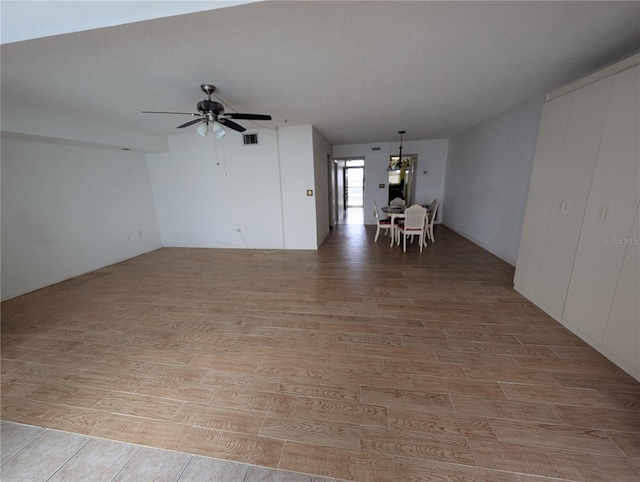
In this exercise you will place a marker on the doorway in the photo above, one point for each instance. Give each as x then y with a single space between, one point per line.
354 183
352 192
402 179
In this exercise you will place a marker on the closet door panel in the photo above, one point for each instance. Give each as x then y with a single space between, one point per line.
622 334
579 154
610 212
553 124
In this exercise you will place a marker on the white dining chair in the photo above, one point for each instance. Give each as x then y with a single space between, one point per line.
397 202
431 218
381 224
412 225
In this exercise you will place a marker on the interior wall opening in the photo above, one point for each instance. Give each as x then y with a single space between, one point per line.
351 195
354 183
402 180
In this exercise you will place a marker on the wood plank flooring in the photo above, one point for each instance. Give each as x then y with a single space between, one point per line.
356 361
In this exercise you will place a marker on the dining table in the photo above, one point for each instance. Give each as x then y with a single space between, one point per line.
393 213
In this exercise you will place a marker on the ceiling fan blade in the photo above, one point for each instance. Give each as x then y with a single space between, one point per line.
230 124
156 112
236 115
190 123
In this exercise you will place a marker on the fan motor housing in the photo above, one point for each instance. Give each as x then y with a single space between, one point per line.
212 106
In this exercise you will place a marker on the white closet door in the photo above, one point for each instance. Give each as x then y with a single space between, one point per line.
610 212
553 125
577 164
622 334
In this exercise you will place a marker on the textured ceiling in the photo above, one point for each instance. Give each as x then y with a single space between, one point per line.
358 71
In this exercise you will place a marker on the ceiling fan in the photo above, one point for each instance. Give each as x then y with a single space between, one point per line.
212 117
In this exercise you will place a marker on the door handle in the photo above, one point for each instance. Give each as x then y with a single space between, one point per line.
564 207
603 215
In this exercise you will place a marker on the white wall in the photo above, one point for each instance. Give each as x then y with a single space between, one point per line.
432 157
487 179
297 170
321 162
67 210
206 189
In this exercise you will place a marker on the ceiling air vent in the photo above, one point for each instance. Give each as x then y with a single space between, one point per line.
249 139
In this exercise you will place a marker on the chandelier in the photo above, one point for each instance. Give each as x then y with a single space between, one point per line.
396 164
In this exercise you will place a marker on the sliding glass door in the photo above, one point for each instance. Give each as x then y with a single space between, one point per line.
354 183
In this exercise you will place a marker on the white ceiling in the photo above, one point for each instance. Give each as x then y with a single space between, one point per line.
28 19
358 71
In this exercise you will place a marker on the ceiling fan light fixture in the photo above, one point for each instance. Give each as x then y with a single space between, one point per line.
203 129
208 113
218 131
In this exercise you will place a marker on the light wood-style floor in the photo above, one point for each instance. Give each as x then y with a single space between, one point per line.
356 361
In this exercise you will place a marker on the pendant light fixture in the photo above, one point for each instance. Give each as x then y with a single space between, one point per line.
395 166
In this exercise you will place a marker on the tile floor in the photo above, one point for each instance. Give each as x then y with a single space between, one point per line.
356 362
33 454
